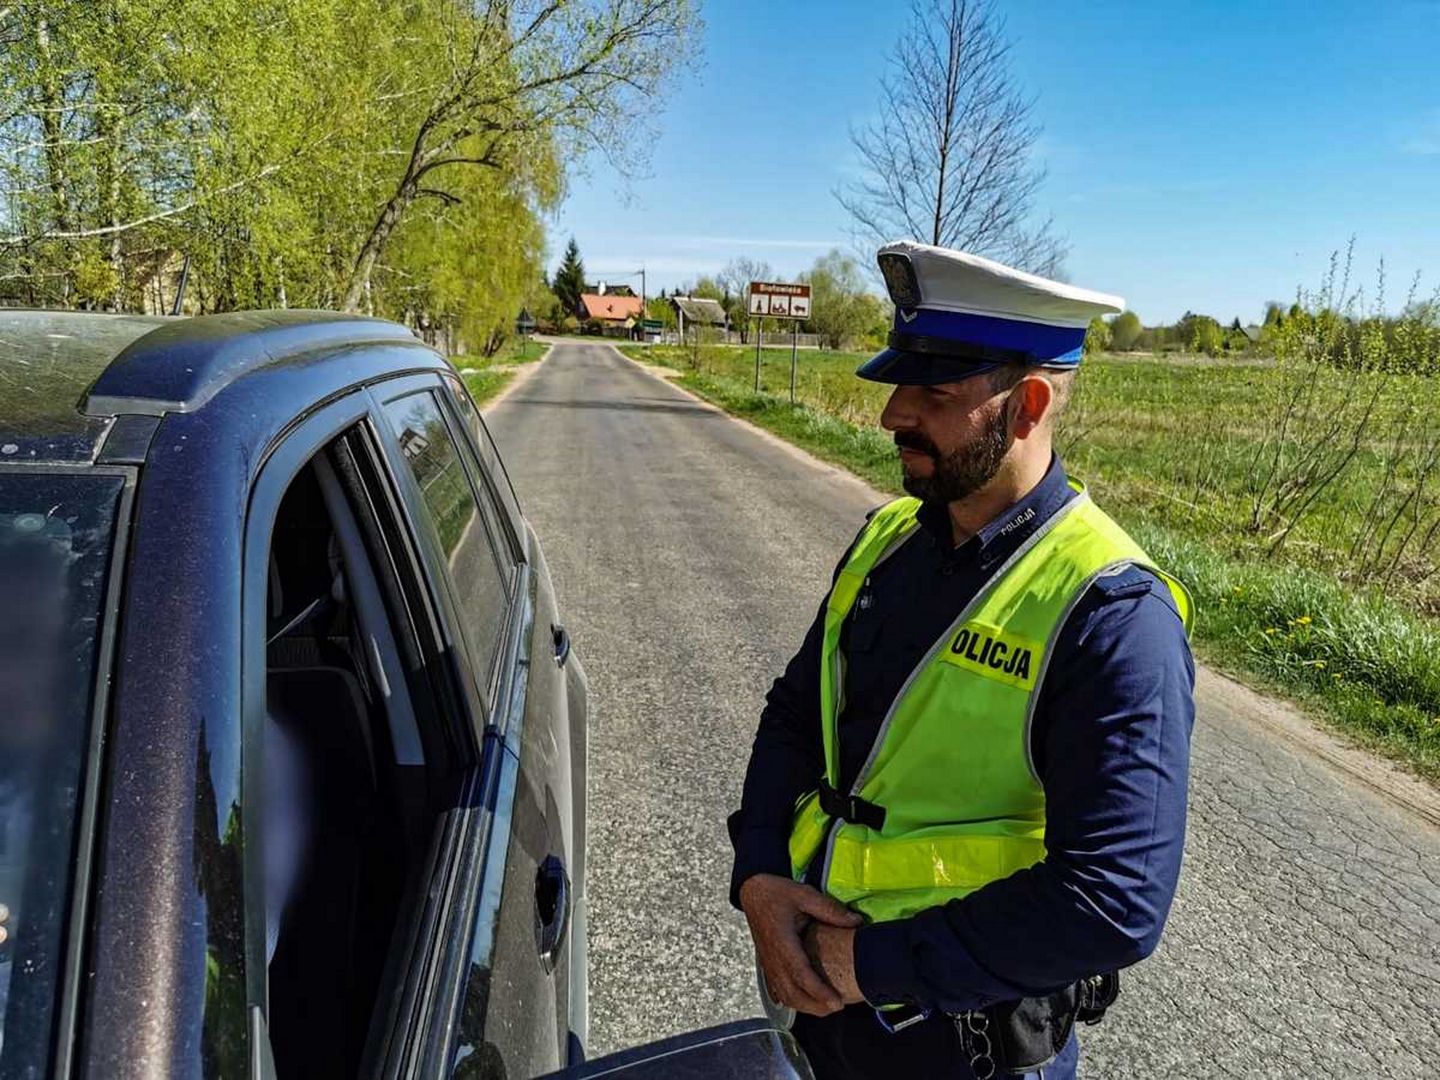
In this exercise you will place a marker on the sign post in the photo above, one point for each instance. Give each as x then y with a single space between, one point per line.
525 326
794 355
759 335
779 300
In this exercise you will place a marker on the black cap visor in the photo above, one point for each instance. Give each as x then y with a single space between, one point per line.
900 367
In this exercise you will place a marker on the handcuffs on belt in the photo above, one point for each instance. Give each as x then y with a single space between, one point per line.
1016 1037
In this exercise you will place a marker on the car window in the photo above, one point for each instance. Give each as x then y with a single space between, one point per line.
480 567
356 762
489 453
55 538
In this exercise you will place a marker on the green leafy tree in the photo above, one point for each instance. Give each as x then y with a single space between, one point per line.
707 288
660 309
1201 334
319 153
1125 331
843 310
468 272
1097 336
569 280
566 72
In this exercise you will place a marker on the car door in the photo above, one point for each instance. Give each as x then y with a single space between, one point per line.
552 742
511 992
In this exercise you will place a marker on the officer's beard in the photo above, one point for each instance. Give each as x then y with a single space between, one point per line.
962 472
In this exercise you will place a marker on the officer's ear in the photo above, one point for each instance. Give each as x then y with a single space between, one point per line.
1030 403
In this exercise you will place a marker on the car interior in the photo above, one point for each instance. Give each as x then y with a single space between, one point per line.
351 790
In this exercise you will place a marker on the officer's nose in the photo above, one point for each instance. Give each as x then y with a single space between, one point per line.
900 412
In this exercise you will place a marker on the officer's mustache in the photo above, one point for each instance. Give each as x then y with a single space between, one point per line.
913 440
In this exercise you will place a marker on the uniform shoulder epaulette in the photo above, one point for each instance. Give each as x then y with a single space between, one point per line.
1127 581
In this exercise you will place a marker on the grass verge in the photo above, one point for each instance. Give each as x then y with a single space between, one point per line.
1356 658
486 376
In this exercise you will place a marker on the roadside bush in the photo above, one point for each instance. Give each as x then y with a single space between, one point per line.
1347 394
1097 336
1126 331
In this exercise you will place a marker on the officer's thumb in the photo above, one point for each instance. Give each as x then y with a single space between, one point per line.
828 910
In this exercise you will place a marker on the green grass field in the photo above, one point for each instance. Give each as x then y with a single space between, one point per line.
1168 447
486 376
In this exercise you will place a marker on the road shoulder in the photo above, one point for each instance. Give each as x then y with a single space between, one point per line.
521 375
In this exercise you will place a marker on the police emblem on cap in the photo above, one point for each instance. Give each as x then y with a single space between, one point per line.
900 279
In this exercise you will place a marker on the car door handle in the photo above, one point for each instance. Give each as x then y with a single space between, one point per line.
562 643
552 910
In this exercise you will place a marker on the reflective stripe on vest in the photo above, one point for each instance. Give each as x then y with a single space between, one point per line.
951 764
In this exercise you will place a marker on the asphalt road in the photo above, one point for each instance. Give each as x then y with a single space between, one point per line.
690 553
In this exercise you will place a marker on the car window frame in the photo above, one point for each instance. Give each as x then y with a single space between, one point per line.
282 462
448 690
70 980
492 508
411 972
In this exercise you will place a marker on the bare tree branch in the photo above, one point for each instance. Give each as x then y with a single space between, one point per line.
22 239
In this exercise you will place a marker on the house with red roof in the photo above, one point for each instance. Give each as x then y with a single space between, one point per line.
611 309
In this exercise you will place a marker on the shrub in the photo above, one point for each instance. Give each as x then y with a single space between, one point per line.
1125 331
1097 336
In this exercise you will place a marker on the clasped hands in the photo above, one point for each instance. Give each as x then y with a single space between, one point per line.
805 942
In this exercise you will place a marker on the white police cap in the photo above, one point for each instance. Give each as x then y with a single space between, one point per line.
957 314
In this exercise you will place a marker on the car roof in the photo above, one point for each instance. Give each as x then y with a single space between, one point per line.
47 361
64 375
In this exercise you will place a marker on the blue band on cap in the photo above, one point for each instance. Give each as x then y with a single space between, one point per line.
1043 344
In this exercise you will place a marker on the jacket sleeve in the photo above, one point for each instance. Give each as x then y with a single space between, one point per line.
785 762
1111 747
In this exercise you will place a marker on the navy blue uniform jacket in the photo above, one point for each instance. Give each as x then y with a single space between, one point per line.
1110 742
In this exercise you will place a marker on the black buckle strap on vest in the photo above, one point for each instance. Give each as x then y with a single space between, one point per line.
851 808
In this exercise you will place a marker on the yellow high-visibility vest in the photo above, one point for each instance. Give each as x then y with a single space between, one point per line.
950 768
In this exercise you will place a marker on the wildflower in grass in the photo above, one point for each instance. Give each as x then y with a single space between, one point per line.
1314 663
1303 620
1271 631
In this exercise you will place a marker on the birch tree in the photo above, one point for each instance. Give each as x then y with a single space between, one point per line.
513 75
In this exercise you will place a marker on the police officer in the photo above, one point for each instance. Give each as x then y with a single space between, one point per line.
965 804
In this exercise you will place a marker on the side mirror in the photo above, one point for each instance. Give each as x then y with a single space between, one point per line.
745 1050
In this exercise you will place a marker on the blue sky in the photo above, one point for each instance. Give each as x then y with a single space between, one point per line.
1202 156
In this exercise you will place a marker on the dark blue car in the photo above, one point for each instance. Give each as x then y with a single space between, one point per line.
292 760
